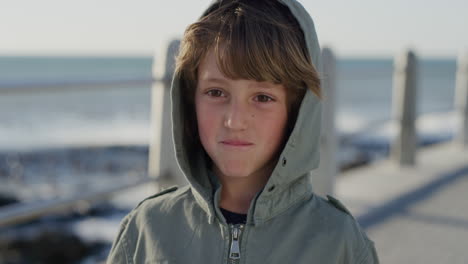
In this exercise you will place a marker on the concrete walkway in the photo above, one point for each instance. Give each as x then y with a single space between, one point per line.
414 215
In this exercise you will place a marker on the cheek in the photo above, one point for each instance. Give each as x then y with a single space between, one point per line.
273 127
204 127
206 121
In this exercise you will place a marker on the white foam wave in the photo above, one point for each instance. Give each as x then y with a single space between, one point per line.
429 126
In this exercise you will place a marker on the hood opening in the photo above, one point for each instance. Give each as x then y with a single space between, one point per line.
240 49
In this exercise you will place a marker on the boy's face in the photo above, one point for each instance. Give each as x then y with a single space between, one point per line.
241 123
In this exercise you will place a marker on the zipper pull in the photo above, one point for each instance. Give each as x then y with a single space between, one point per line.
234 253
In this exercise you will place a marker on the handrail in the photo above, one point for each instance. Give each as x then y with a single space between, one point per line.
19 213
63 86
374 124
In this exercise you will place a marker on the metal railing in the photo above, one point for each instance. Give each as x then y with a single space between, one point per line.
73 85
19 213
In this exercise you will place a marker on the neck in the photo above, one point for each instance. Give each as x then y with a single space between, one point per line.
237 192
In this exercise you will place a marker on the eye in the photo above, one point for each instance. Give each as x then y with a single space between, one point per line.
215 93
264 98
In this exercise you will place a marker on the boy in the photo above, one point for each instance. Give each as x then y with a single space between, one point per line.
246 126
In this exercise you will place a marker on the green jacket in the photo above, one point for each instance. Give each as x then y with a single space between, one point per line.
286 222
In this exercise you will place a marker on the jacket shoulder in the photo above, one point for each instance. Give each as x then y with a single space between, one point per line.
160 208
162 203
152 205
340 223
331 208
161 193
337 204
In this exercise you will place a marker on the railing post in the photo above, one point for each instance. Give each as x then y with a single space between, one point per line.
404 108
161 161
323 181
461 100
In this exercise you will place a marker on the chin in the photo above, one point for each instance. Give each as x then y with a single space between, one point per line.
236 172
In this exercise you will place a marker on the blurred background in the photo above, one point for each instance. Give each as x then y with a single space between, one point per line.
75 102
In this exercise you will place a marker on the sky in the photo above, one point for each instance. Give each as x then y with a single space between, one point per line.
432 28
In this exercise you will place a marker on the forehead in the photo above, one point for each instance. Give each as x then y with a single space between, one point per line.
208 68
209 72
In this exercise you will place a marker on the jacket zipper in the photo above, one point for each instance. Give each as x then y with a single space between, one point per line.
234 252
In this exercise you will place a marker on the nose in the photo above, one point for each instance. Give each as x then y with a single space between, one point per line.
236 116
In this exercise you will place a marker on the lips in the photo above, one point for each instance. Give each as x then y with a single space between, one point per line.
238 143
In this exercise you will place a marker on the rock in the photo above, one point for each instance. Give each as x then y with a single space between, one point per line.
6 200
49 247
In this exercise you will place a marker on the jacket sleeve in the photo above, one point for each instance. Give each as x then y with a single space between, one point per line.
369 254
118 253
363 248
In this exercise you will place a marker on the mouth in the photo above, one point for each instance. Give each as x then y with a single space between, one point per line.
236 143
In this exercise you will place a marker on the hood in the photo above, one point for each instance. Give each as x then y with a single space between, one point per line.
290 180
